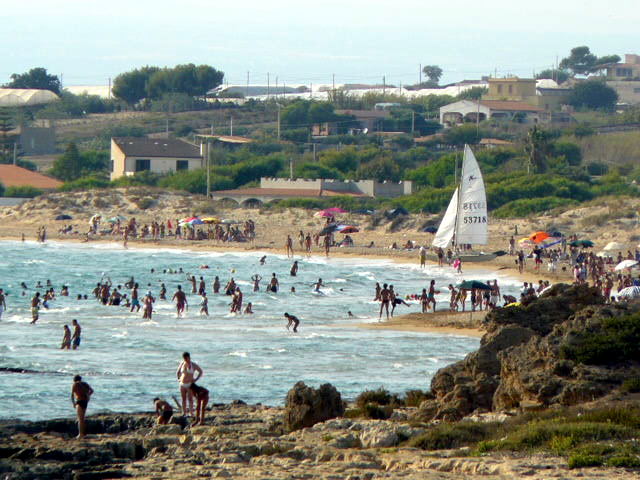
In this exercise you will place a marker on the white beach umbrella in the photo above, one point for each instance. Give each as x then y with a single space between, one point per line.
603 254
626 264
614 247
629 292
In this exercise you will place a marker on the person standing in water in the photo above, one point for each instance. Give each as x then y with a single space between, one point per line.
385 299
66 339
256 282
181 301
294 269
273 284
135 301
80 395
3 303
35 307
188 373
77 330
204 304
216 285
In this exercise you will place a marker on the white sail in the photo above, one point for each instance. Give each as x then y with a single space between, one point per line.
472 220
447 227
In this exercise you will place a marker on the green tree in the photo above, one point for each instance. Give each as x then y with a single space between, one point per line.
37 78
382 168
582 62
559 75
433 73
2 189
188 79
570 151
593 94
6 140
458 136
473 93
132 86
537 145
68 166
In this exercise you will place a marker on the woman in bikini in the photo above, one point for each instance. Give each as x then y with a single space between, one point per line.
186 374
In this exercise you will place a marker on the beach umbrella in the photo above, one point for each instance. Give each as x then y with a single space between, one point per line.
229 221
116 218
188 219
613 247
471 284
335 210
538 237
626 264
195 221
64 217
629 292
328 229
210 220
603 254
323 213
348 229
582 243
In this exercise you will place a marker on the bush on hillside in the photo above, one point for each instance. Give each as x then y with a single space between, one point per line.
531 206
85 183
22 192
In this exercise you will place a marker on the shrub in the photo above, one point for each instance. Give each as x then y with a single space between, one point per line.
377 412
23 192
413 398
631 385
531 206
445 436
379 397
579 460
617 340
84 183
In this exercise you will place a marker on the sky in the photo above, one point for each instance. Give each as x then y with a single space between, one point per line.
358 41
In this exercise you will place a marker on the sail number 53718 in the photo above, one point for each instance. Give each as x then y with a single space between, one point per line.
477 219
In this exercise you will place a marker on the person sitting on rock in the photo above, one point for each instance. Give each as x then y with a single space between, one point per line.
164 411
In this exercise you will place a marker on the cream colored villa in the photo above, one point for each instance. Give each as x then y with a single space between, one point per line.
130 155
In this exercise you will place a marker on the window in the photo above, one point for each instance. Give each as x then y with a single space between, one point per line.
510 88
636 90
182 165
623 72
499 88
142 165
112 165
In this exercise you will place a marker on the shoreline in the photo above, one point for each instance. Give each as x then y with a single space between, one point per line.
439 322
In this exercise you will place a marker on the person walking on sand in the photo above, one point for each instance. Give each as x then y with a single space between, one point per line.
327 244
202 399
188 373
66 339
80 395
164 411
292 320
289 246
385 299
181 301
77 330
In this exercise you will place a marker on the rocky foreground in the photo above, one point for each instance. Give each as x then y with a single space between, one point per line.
552 392
241 441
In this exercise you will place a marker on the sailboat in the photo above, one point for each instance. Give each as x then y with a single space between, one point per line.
466 220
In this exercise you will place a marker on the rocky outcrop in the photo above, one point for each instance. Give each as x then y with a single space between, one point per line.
520 361
305 406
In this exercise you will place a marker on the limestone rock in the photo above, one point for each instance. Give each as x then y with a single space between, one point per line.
379 436
305 406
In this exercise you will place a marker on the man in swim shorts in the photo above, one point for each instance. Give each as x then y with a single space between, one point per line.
77 330
385 299
181 301
35 307
164 411
80 395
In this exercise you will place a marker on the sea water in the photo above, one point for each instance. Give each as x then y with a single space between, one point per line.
129 361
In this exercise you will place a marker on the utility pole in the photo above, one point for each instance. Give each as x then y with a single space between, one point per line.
267 85
311 91
15 153
276 90
247 83
314 153
231 126
206 151
413 121
291 168
109 92
384 85
419 74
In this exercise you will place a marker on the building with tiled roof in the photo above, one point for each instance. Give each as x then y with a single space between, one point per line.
130 155
15 176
